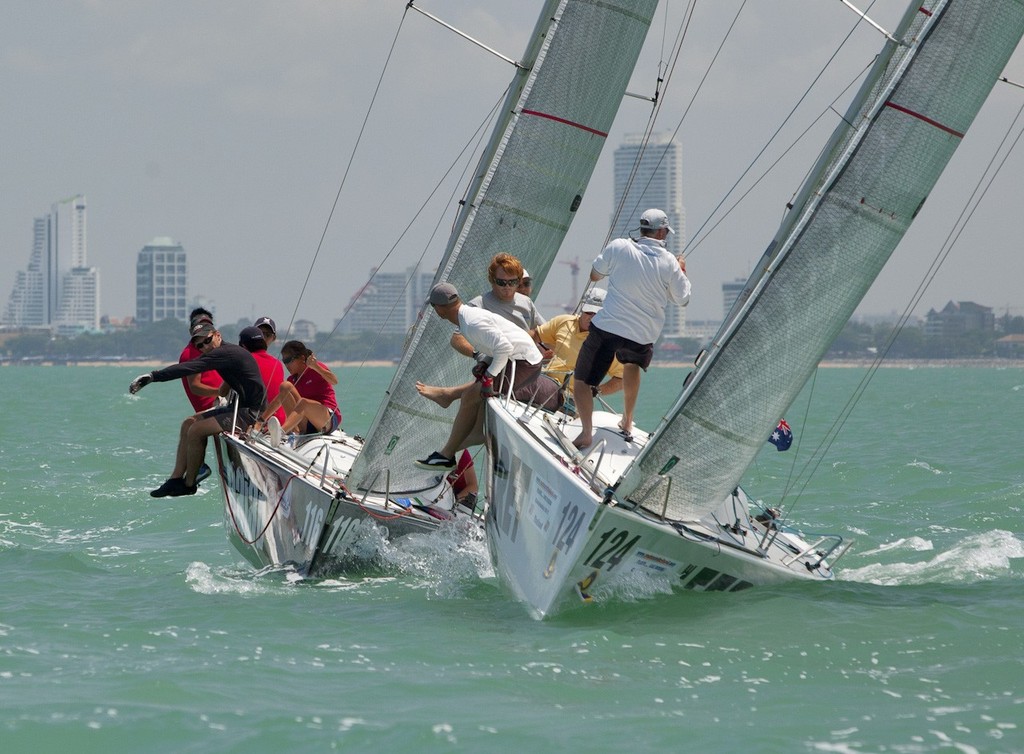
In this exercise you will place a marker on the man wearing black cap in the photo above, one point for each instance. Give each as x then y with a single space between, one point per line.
268 328
240 373
253 340
201 389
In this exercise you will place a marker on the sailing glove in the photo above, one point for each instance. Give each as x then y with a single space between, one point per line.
140 382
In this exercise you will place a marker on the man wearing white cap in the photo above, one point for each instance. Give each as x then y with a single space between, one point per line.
643 278
565 335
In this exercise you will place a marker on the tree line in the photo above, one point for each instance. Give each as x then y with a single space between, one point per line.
164 340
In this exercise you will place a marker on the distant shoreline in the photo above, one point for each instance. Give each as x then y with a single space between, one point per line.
828 364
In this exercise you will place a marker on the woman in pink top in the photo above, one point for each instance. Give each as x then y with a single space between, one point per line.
308 393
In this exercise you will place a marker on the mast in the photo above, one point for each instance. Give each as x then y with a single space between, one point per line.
522 199
880 165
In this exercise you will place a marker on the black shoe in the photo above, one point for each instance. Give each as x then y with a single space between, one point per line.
183 489
165 489
436 462
204 473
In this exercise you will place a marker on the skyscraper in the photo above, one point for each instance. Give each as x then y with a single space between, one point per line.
388 303
58 289
161 282
651 175
730 292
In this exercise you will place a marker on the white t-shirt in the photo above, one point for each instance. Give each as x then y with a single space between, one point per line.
643 278
492 334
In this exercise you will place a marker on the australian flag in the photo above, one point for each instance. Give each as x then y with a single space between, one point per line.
782 437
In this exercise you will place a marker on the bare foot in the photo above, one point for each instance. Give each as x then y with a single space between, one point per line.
583 441
438 395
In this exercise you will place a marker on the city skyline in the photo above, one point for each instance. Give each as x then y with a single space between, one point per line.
234 135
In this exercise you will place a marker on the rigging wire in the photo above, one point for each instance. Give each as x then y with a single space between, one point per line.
348 167
778 160
656 110
971 205
477 137
694 243
469 147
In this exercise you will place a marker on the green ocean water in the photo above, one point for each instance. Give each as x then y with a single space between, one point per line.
128 624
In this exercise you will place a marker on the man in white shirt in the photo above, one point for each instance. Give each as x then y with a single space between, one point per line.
491 335
643 278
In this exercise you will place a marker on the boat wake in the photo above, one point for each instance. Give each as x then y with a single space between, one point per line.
206 580
979 557
451 559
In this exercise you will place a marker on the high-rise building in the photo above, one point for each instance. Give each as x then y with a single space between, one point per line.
161 282
32 302
58 289
388 303
651 175
730 292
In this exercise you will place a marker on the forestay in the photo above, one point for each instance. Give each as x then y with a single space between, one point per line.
528 185
903 127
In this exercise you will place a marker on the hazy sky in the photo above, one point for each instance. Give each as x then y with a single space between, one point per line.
229 127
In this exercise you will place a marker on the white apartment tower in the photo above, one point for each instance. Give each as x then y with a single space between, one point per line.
58 289
161 282
651 175
388 303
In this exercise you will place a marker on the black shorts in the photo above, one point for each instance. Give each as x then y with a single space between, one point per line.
225 416
601 348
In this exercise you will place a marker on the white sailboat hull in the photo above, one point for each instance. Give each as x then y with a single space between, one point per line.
556 542
286 507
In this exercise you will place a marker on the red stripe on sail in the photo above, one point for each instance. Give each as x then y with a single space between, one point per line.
566 122
929 121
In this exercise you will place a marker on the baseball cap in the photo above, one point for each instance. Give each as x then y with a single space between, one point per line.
443 294
251 336
202 329
654 219
594 301
266 322
525 275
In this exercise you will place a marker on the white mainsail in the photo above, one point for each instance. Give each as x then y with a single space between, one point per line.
903 127
527 187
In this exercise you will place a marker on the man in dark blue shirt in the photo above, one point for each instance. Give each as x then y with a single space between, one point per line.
240 373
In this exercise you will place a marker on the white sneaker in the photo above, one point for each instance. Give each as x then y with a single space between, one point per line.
275 431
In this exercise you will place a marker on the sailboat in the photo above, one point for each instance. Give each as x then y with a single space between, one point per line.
329 503
563 526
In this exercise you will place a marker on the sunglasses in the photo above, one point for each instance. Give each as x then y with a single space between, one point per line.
527 283
513 283
288 360
205 342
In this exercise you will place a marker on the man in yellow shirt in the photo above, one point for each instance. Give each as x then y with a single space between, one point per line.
565 334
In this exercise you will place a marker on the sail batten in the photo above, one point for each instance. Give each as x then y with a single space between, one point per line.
870 183
523 199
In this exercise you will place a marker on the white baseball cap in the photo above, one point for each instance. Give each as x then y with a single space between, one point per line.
594 301
654 219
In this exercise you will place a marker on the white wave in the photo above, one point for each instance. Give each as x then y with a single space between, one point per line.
206 580
633 586
916 544
451 558
978 557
